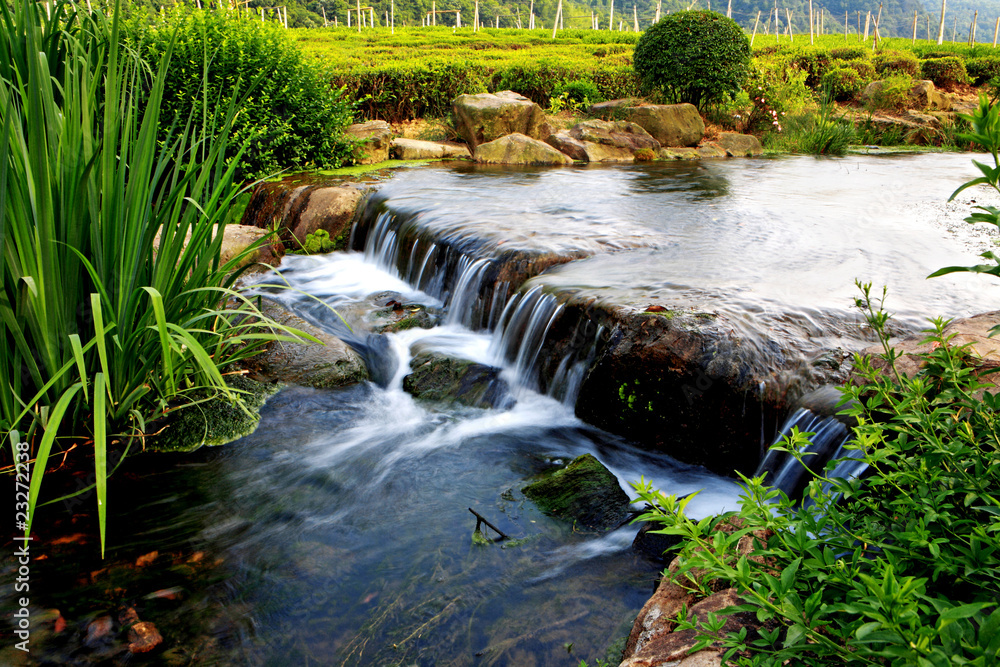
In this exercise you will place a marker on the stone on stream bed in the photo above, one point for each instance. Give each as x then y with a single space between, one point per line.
585 491
437 377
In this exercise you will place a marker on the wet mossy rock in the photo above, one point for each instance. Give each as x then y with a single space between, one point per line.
437 377
304 205
372 140
584 491
519 149
214 422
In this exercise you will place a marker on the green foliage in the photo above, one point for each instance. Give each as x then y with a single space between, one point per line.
318 242
290 115
890 63
984 132
892 94
698 57
114 304
944 72
844 83
982 69
580 91
417 72
849 53
773 91
902 568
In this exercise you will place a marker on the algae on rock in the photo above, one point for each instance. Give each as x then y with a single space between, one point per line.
584 491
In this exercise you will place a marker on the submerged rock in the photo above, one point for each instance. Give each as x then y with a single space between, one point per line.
483 117
437 377
740 145
584 491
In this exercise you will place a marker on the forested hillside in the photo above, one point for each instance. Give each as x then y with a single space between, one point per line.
897 15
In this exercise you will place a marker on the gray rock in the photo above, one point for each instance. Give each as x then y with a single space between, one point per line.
618 133
484 117
330 363
923 95
670 124
519 149
415 149
374 137
740 145
610 109
331 209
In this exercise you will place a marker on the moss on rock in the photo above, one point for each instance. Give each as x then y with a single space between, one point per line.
215 421
584 491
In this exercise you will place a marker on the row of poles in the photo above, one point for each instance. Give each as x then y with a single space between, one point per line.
364 17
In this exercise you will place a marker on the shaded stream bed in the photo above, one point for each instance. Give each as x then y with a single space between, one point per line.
339 533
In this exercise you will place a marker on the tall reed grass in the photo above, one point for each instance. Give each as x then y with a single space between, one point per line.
114 305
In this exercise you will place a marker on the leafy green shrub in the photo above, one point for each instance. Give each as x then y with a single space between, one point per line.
773 91
981 70
900 568
892 93
291 116
815 62
864 68
580 91
693 56
843 83
944 72
849 53
889 63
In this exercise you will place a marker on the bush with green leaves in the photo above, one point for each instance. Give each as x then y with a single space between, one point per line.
900 568
891 94
890 63
695 56
945 72
580 91
843 83
290 115
982 69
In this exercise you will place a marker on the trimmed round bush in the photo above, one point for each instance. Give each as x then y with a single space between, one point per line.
693 56
849 53
892 93
981 70
580 91
896 62
816 63
864 68
944 72
843 83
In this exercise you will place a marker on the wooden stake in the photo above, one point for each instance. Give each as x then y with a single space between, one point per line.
475 20
659 5
611 15
914 27
756 21
392 15
868 20
975 22
940 39
846 23
434 13
877 36
788 26
811 42
555 24
995 31
635 19
325 24
729 10
358 16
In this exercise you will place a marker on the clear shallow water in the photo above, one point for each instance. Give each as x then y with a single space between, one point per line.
341 527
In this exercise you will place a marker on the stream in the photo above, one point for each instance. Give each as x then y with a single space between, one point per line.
339 533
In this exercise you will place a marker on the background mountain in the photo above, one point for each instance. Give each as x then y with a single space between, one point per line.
897 15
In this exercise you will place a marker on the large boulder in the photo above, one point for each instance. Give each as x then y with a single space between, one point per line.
483 117
415 149
584 491
670 124
618 133
519 149
739 145
303 207
437 377
373 138
610 108
327 364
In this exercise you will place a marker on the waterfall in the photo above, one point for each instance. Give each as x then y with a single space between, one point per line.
828 443
467 279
